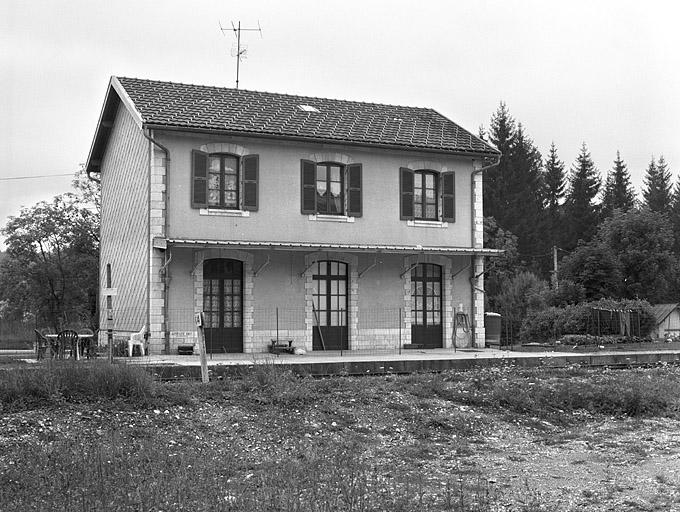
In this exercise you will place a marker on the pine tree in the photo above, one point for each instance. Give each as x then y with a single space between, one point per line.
618 190
554 188
525 194
581 214
675 217
657 191
502 135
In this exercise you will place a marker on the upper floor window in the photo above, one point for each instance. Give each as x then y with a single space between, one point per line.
427 195
330 188
224 181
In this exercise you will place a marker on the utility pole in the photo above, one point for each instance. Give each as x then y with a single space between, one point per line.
239 52
554 271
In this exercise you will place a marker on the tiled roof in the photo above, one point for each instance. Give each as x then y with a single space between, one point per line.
218 108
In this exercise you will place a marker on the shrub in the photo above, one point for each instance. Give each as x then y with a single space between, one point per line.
554 322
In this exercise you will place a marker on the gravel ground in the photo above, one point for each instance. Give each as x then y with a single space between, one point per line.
596 463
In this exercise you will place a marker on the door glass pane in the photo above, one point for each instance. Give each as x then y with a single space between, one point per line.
334 287
236 287
334 302
228 305
237 303
334 268
437 318
429 180
214 164
342 302
228 319
322 317
237 320
431 211
322 268
335 318
419 317
321 173
335 173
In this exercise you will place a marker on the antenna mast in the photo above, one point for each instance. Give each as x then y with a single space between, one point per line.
238 52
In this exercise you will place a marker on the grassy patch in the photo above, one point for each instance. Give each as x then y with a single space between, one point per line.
22 387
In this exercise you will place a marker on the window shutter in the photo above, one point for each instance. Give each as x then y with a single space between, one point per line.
308 186
448 187
406 193
250 165
354 204
199 179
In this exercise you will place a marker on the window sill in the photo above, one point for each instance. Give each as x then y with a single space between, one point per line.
331 218
219 212
427 224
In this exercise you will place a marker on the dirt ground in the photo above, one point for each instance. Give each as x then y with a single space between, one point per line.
603 463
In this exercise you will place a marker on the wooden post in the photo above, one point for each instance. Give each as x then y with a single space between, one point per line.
201 347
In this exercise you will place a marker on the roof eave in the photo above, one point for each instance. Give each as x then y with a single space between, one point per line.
115 94
301 138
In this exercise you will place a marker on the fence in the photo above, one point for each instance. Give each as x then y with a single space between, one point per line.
591 321
248 329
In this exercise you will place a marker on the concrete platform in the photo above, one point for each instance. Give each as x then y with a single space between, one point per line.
371 363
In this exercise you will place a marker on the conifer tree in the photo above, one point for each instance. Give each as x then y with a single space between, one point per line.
554 188
618 190
657 191
502 135
675 217
581 213
524 187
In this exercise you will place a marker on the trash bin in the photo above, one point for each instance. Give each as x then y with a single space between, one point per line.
492 325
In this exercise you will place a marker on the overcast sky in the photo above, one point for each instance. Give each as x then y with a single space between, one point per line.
606 73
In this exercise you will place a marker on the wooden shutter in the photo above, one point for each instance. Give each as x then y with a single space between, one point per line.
354 204
250 165
308 186
406 193
448 187
199 179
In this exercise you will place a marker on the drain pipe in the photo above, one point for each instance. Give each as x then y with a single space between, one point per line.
473 280
164 271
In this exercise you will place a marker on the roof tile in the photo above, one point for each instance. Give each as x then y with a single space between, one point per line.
196 106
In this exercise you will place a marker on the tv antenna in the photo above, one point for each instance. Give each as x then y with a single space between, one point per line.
238 51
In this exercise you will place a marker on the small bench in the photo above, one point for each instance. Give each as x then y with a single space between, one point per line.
282 345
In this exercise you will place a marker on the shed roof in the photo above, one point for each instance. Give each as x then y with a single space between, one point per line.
661 311
157 104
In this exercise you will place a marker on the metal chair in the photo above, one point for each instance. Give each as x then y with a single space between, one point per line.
68 338
40 345
86 342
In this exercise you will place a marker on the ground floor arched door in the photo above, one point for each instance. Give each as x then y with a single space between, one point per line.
426 305
223 305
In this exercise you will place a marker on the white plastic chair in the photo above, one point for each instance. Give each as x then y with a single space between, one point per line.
136 339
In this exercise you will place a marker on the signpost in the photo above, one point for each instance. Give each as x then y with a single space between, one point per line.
201 347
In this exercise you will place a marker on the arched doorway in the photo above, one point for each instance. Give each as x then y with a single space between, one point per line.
223 305
426 305
329 301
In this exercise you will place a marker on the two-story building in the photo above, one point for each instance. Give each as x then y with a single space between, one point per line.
345 224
